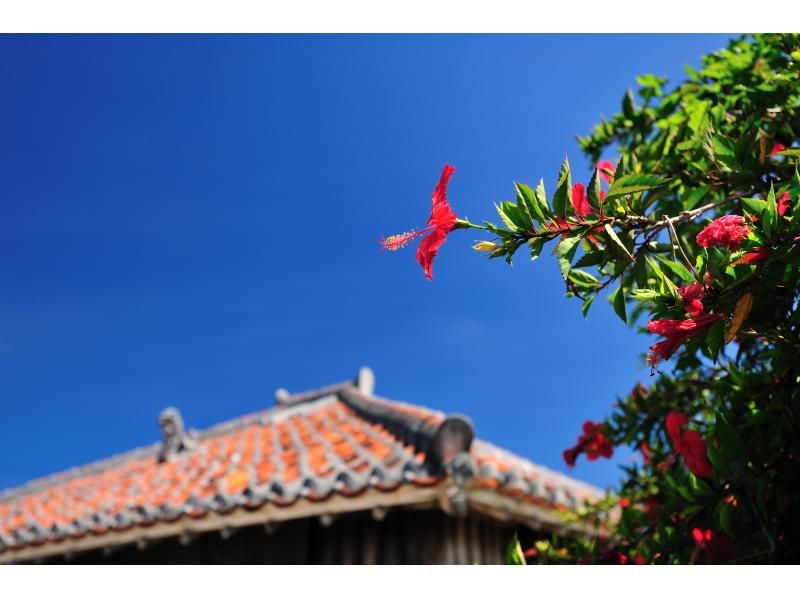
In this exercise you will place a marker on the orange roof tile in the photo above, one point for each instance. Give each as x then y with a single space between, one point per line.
335 441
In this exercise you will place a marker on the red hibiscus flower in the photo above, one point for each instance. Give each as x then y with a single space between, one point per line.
726 231
441 222
606 170
701 537
558 225
651 508
688 444
718 547
783 203
647 454
778 147
677 333
754 257
692 296
580 201
592 442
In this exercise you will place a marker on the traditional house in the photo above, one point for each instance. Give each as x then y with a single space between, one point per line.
336 475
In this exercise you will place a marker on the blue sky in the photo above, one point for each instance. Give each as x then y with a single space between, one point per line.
192 221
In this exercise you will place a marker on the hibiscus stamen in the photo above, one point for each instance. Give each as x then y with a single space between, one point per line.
395 242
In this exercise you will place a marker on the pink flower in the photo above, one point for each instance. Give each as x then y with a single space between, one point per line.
689 444
778 147
754 257
580 201
692 296
783 203
442 221
727 231
593 442
718 547
606 170
677 333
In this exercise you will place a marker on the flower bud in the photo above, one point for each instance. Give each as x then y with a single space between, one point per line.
486 246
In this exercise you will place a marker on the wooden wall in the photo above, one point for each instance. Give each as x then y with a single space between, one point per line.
404 536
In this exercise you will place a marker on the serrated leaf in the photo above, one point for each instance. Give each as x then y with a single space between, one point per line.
510 224
616 240
583 278
527 197
740 313
592 258
565 250
541 199
563 196
514 554
633 183
594 190
536 245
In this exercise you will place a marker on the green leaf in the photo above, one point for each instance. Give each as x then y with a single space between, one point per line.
770 214
587 303
699 487
541 199
725 517
717 462
592 258
566 251
510 224
754 206
694 197
563 196
633 183
536 244
730 443
628 105
698 117
617 298
644 294
526 197
514 554
583 278
594 190
788 152
617 242
677 268
640 272
716 340
666 285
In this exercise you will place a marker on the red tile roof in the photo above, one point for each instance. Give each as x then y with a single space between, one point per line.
336 441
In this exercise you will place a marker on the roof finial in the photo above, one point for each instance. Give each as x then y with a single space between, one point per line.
366 381
174 437
282 396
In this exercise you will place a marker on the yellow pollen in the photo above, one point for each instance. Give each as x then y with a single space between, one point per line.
395 242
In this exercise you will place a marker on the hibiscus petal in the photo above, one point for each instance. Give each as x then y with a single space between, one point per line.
440 191
427 250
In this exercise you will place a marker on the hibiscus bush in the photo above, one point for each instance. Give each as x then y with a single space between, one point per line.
690 227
